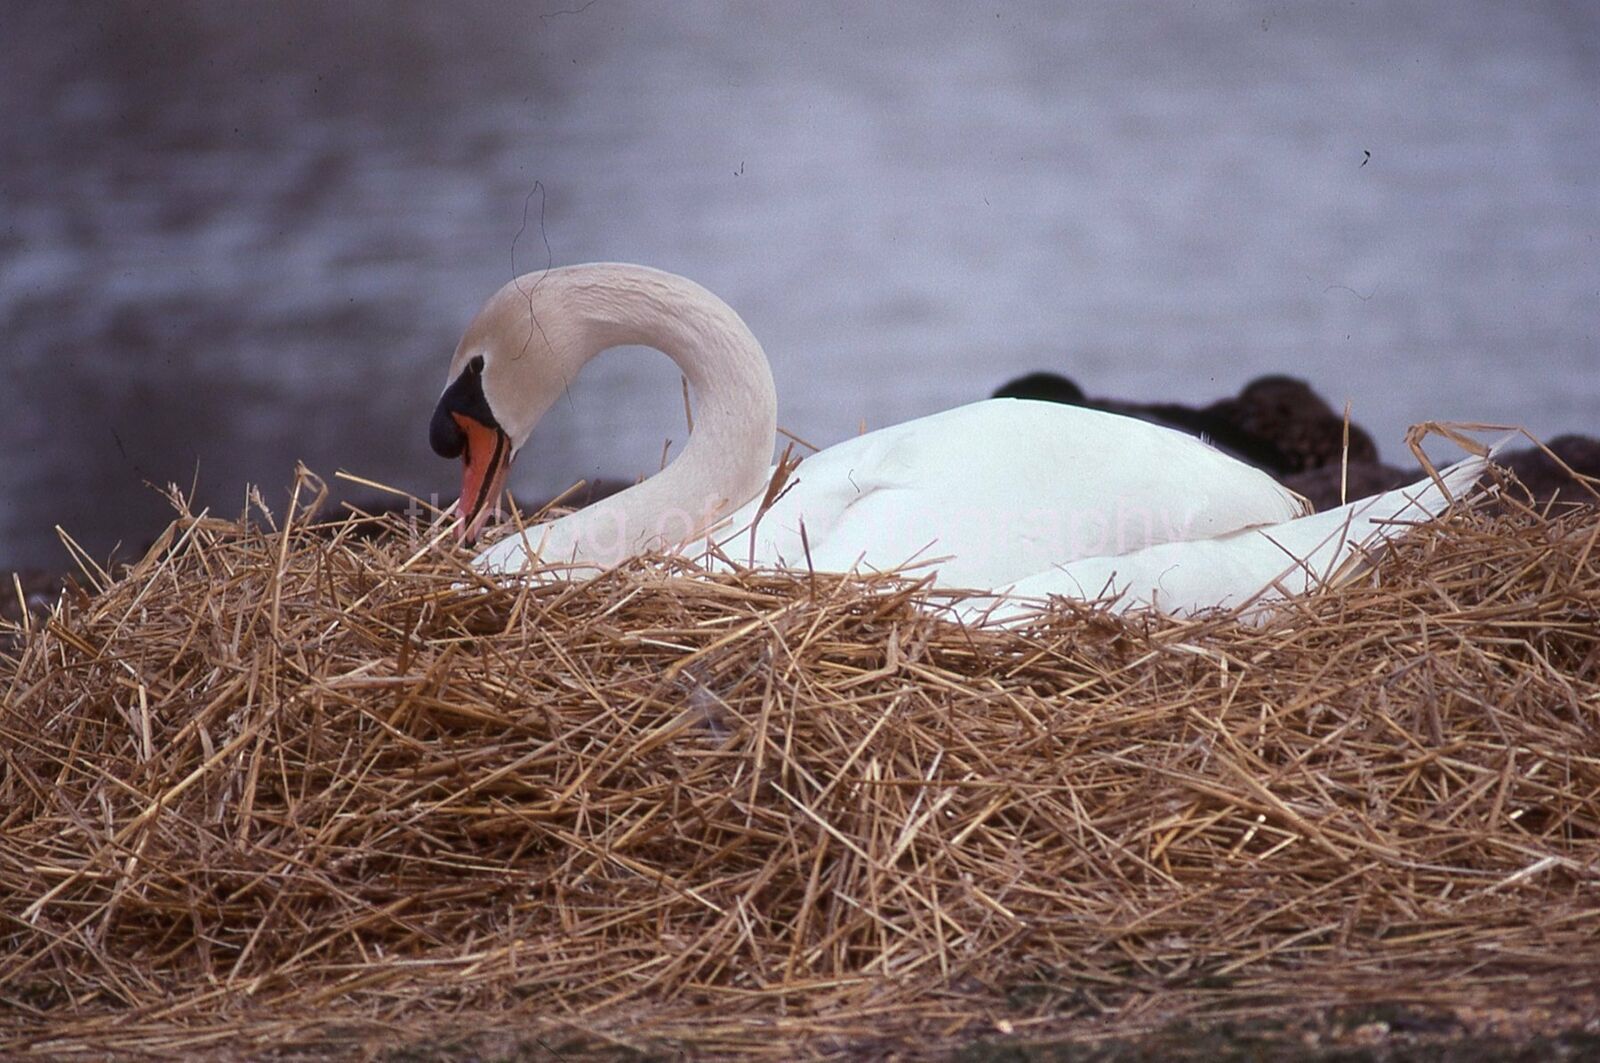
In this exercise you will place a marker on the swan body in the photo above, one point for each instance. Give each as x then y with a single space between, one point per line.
998 490
1005 495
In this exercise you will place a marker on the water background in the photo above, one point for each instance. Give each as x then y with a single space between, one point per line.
233 236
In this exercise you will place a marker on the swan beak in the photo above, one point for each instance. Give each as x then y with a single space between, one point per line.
484 459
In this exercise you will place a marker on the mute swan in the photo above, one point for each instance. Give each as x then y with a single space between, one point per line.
989 494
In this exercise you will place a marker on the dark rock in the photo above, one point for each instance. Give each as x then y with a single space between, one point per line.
1365 478
1545 479
1243 444
1284 411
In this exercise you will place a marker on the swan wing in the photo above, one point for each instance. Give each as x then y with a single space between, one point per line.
1265 563
994 491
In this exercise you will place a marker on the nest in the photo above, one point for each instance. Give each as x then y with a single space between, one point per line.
287 781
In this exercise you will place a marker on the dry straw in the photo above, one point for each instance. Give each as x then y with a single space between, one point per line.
278 776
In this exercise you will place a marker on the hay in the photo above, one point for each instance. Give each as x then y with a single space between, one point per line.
278 781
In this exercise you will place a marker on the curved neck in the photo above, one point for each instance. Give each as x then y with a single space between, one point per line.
726 460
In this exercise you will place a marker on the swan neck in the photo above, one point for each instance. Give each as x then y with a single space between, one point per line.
709 342
732 400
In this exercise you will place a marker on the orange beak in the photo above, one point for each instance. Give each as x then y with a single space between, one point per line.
484 461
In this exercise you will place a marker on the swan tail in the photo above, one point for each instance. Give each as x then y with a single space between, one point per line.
1246 568
1330 548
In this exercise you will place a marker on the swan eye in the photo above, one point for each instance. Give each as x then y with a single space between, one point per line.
476 365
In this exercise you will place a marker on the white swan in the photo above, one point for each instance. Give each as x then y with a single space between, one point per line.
992 495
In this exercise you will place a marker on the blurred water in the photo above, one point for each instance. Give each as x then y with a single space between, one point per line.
240 235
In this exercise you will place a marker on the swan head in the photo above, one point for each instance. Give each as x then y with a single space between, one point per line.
514 361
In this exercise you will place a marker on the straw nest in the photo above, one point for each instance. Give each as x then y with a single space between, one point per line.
281 781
